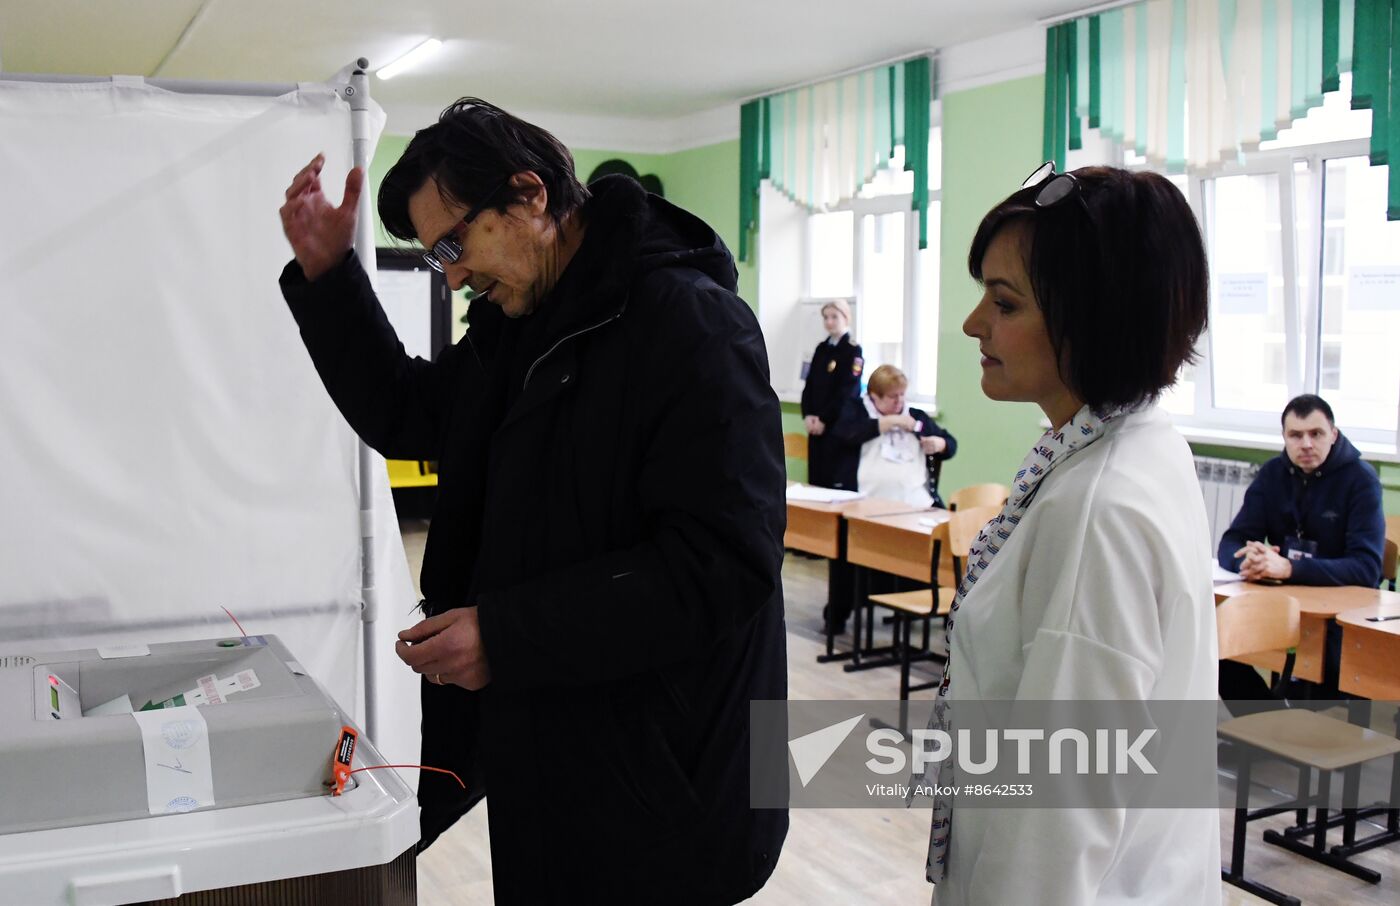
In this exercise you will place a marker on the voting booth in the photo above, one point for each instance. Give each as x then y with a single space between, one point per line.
199 561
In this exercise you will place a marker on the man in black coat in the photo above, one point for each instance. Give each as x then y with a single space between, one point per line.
601 577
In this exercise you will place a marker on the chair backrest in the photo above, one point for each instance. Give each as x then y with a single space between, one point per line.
933 466
795 446
1392 550
990 494
964 526
1256 622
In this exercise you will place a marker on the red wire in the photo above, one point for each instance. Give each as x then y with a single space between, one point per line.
377 767
235 620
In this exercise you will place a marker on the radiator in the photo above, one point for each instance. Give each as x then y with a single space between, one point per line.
1223 483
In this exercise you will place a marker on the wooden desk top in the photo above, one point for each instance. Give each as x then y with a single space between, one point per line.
1371 652
861 506
816 527
900 544
1358 617
1318 600
905 520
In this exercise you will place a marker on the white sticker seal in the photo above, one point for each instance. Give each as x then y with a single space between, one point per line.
179 777
121 651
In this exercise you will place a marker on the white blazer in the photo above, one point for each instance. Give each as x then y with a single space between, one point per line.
1102 592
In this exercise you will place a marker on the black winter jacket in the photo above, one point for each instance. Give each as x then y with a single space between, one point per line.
611 497
1338 506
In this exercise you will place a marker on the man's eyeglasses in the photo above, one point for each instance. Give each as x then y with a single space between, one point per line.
1056 187
448 249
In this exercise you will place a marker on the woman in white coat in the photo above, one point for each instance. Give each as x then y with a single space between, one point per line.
1094 581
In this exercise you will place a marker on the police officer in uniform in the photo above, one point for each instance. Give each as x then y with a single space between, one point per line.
833 378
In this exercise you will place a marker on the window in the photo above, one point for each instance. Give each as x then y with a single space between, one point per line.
866 252
1359 323
830 256
1305 284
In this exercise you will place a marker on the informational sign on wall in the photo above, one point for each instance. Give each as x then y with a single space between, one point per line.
1241 294
1374 287
407 300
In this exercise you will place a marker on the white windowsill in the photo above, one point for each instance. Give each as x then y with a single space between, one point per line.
1249 440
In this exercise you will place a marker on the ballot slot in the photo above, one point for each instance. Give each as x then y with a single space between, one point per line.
212 675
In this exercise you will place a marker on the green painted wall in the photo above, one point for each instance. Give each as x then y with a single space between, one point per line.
390 149
991 140
705 181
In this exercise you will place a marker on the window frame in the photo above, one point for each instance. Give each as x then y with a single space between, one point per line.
1303 327
862 207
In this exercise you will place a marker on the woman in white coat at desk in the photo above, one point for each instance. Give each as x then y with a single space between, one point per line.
1094 580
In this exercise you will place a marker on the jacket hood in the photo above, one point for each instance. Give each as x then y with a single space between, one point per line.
678 238
647 232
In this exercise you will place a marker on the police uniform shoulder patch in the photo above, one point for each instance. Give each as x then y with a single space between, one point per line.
857 366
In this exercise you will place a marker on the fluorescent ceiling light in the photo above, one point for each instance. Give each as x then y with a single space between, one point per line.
409 60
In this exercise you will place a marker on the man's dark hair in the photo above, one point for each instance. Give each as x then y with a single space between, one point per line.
1121 278
471 152
1306 404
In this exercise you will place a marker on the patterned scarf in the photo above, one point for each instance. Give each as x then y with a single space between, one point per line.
1053 448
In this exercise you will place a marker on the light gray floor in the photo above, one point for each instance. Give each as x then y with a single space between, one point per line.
872 856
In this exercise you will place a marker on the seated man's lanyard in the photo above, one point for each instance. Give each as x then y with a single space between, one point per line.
1300 497
1299 547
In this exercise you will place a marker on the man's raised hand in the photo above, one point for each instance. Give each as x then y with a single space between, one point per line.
320 233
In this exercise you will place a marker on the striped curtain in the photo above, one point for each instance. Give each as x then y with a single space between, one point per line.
820 143
1191 83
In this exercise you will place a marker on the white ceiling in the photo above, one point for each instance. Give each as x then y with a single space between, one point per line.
591 58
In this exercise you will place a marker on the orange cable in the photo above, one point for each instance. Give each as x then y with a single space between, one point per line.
377 767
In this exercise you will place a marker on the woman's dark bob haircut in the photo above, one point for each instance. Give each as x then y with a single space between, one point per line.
1119 271
470 153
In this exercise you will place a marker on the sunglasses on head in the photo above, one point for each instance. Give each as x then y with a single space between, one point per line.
1054 187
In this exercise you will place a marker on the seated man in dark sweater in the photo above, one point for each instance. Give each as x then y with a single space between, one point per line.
1312 517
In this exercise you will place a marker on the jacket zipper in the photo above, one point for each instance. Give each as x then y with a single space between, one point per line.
479 365
561 342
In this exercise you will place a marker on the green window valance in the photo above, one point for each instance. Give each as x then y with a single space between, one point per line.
1191 83
820 143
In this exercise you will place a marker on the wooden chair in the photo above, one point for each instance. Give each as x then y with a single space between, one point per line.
1392 550
923 604
990 494
1250 624
795 446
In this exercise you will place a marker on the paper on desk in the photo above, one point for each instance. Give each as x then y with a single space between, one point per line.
179 777
1220 575
821 495
935 520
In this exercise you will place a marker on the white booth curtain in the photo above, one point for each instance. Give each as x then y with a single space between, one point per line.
166 447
